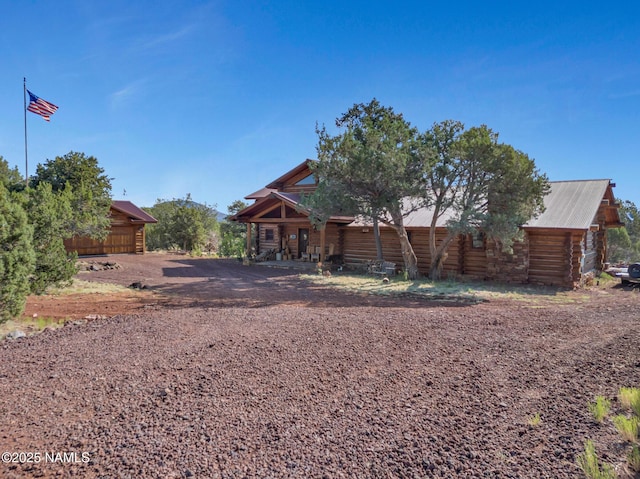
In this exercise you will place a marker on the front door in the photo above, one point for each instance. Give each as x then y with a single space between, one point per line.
303 241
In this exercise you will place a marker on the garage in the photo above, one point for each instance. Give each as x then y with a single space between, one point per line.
126 235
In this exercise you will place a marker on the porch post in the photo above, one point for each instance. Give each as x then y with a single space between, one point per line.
248 239
322 242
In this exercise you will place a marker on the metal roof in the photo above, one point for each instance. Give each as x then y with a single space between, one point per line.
571 204
292 199
421 217
131 210
261 193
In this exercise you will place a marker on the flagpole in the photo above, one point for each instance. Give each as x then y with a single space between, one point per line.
26 158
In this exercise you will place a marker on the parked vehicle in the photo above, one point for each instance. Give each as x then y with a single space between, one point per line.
631 275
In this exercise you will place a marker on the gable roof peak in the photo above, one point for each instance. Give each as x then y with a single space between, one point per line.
137 215
294 172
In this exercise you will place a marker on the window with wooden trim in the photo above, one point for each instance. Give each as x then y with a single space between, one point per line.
307 180
268 234
477 239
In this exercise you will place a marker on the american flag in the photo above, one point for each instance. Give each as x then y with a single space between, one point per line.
40 107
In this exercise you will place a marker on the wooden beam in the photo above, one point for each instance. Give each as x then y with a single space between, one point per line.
248 239
279 220
268 210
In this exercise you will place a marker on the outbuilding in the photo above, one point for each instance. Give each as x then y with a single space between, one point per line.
126 234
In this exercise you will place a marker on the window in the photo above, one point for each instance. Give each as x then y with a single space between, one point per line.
268 234
307 180
477 239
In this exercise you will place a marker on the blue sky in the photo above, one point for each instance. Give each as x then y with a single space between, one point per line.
218 98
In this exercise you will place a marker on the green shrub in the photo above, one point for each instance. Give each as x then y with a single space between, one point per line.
534 420
49 213
627 426
16 256
600 408
593 469
635 404
630 398
634 458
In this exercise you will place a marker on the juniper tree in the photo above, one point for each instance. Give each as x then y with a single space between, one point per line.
372 169
16 256
478 183
90 191
49 213
182 223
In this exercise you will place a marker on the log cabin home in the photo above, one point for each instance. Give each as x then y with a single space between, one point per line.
126 234
560 247
283 225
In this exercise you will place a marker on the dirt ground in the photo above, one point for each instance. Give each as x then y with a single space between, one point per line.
222 370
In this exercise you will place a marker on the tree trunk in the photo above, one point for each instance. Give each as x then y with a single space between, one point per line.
376 235
408 255
438 254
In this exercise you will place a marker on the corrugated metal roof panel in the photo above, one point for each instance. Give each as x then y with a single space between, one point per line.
571 204
421 217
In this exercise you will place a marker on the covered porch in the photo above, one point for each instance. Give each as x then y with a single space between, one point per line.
282 226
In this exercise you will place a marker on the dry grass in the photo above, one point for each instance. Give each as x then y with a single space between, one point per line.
31 325
87 287
630 399
536 296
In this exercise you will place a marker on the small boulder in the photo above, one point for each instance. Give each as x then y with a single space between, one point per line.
17 334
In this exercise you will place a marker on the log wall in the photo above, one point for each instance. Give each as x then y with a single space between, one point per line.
549 257
360 247
555 257
590 251
601 239
543 257
265 244
473 259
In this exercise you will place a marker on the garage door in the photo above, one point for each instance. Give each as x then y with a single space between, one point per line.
121 239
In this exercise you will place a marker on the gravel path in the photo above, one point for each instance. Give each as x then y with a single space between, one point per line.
338 389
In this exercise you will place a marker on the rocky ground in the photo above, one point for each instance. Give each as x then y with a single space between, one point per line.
227 371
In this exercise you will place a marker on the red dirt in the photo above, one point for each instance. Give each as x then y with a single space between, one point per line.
223 370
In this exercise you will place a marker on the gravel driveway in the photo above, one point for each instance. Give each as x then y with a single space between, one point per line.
250 373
